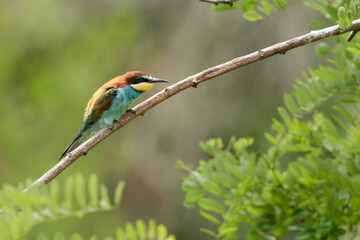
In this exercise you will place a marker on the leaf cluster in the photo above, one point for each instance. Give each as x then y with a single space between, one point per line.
253 10
307 183
76 197
342 12
137 231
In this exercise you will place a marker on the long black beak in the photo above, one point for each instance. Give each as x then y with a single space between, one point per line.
157 80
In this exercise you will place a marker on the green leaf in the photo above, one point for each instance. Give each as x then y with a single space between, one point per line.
141 229
105 199
354 50
277 126
118 192
330 131
285 116
193 196
301 147
352 166
270 138
130 231
189 185
228 230
225 179
209 217
248 5
328 74
80 192
343 18
290 104
267 7
76 236
120 234
184 166
212 145
211 205
332 12
152 229
214 188
93 190
344 113
209 232
315 6
252 16
162 231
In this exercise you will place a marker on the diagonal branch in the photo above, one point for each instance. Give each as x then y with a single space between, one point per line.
192 81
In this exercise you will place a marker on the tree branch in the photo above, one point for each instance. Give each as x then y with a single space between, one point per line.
192 81
230 2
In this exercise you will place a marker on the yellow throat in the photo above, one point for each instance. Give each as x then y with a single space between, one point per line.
142 87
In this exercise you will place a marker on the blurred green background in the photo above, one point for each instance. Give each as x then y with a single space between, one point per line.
55 54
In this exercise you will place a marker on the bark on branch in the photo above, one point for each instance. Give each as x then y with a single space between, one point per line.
192 81
230 2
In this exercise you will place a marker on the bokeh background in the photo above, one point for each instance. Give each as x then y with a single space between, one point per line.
55 54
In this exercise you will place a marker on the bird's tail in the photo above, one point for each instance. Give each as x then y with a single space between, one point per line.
74 144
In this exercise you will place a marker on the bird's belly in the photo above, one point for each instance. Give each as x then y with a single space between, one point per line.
118 107
112 114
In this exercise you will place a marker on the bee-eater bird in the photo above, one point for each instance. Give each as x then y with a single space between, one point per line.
110 102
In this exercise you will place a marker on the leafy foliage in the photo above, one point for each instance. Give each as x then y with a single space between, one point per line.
343 12
307 182
139 231
253 10
20 211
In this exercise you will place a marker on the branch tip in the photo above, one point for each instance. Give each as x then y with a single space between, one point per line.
351 35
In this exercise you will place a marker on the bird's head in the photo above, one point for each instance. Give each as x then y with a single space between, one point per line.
141 81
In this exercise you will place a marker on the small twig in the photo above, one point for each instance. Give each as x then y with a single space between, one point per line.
351 35
198 78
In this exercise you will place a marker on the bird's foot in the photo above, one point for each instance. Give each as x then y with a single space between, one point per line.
84 152
131 111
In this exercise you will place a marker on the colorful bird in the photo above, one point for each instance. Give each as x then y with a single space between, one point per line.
110 102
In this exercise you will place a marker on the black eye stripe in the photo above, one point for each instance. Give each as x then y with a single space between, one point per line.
139 79
136 80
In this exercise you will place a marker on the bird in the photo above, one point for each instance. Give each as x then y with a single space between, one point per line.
110 102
